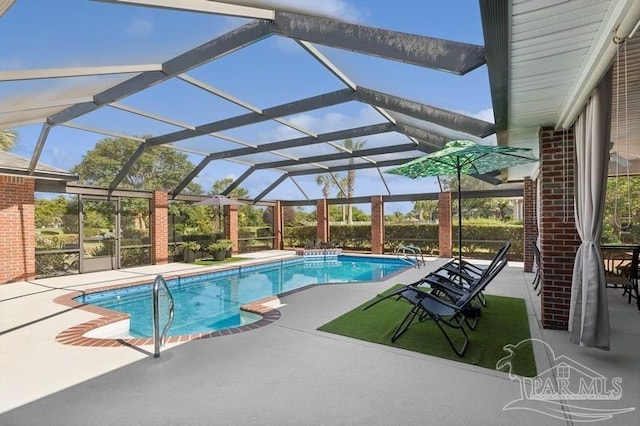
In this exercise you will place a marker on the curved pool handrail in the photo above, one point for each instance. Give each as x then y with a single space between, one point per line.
158 337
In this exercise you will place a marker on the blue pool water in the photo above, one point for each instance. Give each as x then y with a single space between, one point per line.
212 302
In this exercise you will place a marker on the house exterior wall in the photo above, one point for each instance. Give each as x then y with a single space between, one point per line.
17 216
530 221
559 239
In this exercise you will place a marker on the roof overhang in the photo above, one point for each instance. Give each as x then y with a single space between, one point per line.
15 165
546 57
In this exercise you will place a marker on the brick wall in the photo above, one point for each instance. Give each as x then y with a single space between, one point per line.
17 216
231 226
530 221
278 242
559 238
160 228
377 225
445 238
322 216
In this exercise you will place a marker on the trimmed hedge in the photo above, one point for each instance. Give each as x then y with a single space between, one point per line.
479 240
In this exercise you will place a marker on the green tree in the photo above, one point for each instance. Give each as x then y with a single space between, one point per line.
360 216
60 212
351 174
503 208
50 212
342 193
622 210
158 168
220 185
326 181
395 217
247 214
336 213
8 139
425 208
475 207
190 219
288 215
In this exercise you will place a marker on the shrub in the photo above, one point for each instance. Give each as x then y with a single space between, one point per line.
217 246
191 245
226 243
297 236
135 256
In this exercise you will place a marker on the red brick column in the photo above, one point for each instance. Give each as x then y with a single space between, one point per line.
231 226
530 217
18 221
559 238
322 216
377 225
160 228
278 227
445 230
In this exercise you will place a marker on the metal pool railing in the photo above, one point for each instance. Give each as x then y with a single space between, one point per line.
159 338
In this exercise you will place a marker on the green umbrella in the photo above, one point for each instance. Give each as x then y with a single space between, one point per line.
464 157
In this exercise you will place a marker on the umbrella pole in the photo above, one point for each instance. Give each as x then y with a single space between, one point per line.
459 223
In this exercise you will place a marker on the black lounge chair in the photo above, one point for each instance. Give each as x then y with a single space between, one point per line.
452 280
470 271
421 282
440 311
537 263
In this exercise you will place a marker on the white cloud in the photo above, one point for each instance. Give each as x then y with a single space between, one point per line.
333 8
338 9
328 122
485 115
139 27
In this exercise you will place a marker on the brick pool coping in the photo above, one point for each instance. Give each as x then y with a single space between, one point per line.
75 336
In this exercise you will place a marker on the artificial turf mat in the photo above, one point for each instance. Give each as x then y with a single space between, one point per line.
503 321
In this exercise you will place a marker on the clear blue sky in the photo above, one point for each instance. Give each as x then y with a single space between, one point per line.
64 33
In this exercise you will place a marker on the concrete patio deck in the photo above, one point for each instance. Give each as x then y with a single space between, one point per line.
286 373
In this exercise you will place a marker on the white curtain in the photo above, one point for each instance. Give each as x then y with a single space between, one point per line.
589 313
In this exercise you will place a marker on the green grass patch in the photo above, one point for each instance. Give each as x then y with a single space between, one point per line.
210 261
503 321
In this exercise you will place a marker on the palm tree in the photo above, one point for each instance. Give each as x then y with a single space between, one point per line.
351 174
326 182
342 183
8 139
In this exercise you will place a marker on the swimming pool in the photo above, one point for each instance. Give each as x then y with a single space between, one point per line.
212 301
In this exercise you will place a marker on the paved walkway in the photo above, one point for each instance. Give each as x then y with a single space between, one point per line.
286 373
